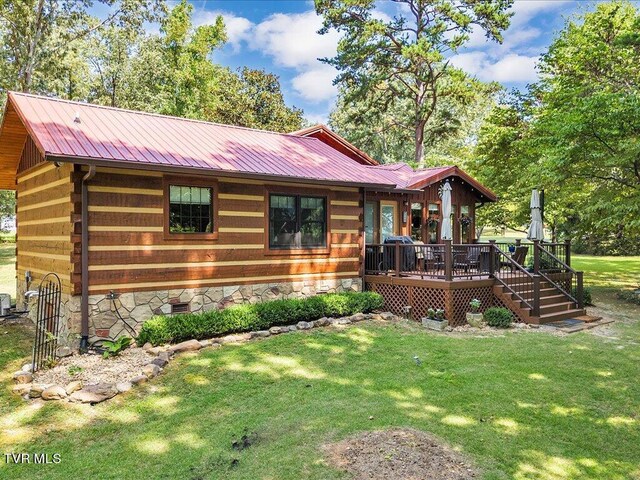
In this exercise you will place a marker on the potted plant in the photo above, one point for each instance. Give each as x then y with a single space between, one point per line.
435 319
474 317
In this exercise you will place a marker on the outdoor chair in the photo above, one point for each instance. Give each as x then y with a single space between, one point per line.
519 257
467 260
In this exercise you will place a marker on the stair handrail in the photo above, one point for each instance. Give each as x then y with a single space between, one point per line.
522 270
578 299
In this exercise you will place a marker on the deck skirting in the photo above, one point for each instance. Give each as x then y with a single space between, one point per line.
422 294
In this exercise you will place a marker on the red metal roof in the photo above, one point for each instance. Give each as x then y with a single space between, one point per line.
324 133
63 128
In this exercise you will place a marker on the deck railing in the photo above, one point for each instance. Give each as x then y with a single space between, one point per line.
558 273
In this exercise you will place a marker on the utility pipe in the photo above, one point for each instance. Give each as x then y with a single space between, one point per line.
84 260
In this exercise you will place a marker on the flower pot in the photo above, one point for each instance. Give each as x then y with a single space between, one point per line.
433 324
474 319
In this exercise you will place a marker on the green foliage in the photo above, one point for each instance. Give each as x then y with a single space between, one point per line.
499 317
399 65
475 305
631 296
74 370
586 295
435 314
242 318
116 347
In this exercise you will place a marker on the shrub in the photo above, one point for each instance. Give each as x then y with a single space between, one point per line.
243 318
629 296
115 347
498 317
586 295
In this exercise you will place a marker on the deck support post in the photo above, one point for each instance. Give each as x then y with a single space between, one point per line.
580 289
567 252
448 261
492 258
536 295
397 260
536 257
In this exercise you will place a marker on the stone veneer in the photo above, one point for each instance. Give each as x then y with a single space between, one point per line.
136 307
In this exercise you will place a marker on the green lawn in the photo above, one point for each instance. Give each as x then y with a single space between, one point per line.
620 272
8 269
523 405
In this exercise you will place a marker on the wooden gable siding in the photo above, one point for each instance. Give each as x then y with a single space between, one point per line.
31 156
44 207
129 249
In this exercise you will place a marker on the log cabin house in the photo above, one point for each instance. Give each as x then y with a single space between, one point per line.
141 213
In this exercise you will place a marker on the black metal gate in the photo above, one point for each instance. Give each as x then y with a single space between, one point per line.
47 323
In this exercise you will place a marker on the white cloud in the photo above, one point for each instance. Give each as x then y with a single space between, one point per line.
316 85
292 39
508 69
525 10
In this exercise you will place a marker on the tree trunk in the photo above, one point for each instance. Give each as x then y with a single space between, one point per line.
30 63
419 144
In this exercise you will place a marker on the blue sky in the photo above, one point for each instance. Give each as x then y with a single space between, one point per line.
280 36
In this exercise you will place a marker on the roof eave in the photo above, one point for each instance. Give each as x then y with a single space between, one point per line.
101 162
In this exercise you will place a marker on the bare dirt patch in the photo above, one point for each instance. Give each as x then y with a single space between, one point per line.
399 454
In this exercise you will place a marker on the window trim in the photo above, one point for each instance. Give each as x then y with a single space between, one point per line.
167 181
296 192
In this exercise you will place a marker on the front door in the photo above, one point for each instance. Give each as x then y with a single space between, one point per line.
388 219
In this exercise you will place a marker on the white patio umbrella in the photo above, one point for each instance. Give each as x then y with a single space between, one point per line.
536 229
446 232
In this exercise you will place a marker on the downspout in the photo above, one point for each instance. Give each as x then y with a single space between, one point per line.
84 339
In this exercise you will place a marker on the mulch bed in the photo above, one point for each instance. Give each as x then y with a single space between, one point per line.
399 454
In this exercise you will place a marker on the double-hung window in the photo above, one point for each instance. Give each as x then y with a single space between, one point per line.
297 221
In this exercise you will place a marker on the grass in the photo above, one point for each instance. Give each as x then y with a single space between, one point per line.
521 405
619 272
7 269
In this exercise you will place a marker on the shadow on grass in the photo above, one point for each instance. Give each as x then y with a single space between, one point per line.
521 405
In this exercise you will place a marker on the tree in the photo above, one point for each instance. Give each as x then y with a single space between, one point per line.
386 62
37 34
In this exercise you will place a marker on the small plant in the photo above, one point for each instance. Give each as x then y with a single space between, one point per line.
435 314
586 295
475 305
50 362
114 348
74 370
628 296
499 317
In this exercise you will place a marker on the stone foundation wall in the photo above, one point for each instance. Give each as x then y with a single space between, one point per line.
137 307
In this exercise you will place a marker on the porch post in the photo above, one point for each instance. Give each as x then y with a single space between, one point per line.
492 258
448 261
579 289
567 252
518 242
536 257
397 250
536 295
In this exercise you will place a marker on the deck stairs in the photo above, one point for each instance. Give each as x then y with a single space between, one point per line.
554 304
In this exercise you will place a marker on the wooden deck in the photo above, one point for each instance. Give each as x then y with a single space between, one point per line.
551 291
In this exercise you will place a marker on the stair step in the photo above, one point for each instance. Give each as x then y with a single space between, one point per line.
553 317
551 299
556 307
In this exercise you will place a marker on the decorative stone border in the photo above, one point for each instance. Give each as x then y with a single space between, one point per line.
75 391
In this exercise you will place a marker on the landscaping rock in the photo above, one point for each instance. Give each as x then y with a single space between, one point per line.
161 362
386 316
164 356
205 343
27 367
278 330
151 370
147 346
304 326
139 379
260 334
189 345
94 393
340 321
157 350
375 316
322 322
122 387
242 337
73 387
64 352
292 328
21 388
37 389
55 392
23 377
